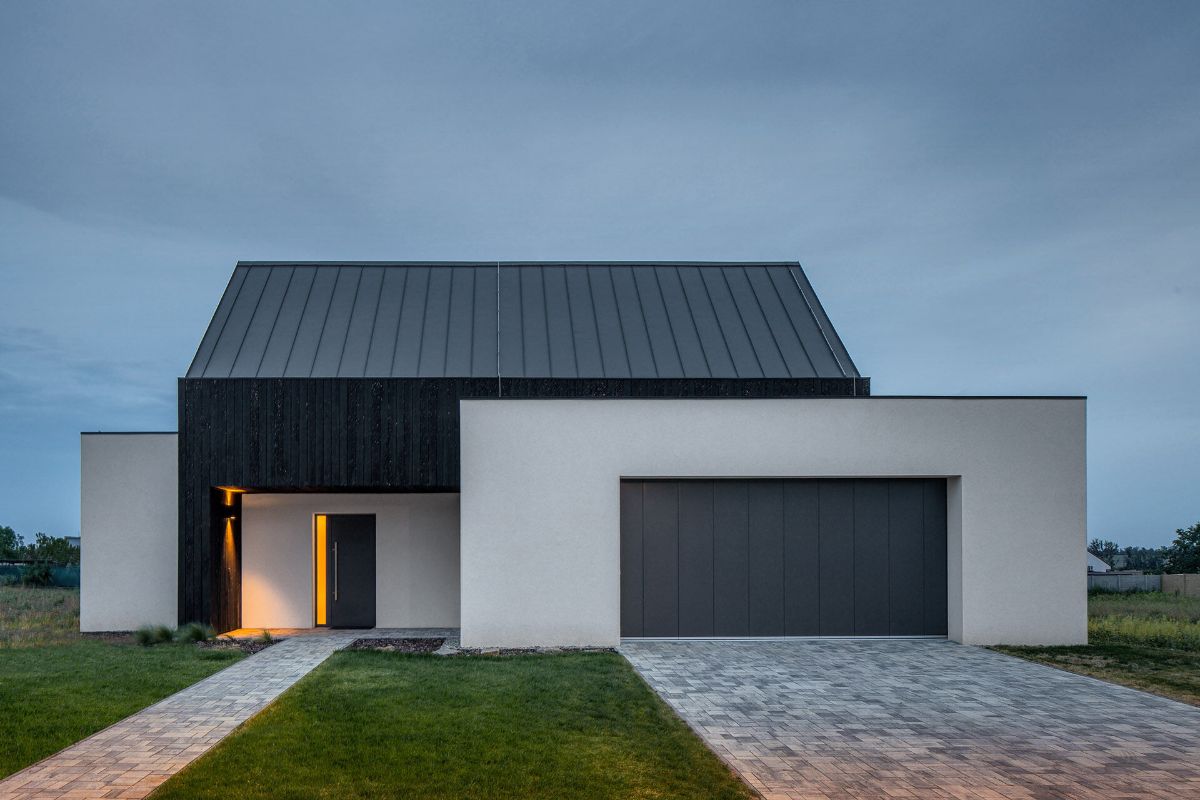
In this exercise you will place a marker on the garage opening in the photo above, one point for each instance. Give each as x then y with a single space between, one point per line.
784 557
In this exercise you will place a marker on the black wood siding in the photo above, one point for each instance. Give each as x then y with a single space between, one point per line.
784 557
358 434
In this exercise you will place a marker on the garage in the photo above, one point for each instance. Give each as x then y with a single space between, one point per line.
783 557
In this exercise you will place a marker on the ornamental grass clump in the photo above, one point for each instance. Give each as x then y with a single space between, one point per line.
194 632
148 635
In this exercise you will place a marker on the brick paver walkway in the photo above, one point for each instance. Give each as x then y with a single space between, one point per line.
921 719
131 758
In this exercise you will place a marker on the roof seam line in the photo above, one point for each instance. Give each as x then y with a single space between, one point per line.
738 310
695 325
299 322
820 327
720 325
349 321
374 322
792 323
225 321
261 291
770 328
637 293
424 321
587 275
571 326
670 325
324 322
399 321
274 322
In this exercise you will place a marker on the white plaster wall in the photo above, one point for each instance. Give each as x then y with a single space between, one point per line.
416 557
540 499
129 530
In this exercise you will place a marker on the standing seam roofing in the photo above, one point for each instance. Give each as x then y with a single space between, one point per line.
520 320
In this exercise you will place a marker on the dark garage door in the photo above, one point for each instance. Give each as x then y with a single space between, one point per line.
800 557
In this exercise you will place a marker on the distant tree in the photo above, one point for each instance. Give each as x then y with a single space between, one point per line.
1146 559
11 544
1184 553
1104 550
52 550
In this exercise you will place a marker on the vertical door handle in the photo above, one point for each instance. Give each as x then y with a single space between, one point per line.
335 572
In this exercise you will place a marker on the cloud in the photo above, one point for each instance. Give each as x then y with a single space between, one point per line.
989 198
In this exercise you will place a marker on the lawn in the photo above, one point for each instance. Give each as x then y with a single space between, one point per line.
373 724
1147 640
57 686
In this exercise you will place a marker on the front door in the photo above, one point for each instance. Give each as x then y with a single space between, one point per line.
350 565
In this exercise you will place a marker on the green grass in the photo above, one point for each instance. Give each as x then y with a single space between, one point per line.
371 724
57 686
1150 619
1147 640
31 616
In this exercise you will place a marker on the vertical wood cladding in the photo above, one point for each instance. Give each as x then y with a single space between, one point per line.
359 434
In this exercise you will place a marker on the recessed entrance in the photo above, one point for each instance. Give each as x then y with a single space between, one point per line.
344 570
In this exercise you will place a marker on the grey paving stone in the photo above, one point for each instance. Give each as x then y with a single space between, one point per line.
921 719
131 758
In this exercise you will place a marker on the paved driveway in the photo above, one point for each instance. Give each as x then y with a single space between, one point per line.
921 719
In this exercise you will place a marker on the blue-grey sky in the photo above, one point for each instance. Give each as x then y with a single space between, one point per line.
990 198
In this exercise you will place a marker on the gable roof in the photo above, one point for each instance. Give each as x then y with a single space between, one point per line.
520 320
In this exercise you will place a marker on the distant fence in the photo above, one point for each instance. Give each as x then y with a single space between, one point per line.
1127 583
1186 585
67 575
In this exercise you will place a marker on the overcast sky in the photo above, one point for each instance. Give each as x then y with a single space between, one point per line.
993 198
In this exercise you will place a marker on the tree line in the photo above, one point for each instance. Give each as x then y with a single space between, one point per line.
1182 555
43 548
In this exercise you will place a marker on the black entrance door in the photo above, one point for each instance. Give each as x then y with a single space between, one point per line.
350 561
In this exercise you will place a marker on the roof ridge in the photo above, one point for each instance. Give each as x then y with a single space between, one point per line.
352 263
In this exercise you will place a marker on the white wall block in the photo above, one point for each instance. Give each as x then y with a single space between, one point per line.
540 499
129 530
416 557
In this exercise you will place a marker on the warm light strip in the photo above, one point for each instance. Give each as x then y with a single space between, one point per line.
321 570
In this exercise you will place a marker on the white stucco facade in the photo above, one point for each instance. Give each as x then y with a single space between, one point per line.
128 526
416 557
540 502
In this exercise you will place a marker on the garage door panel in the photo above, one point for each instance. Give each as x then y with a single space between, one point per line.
801 580
906 557
935 558
836 563
773 557
631 559
660 558
731 616
765 557
696 558
871 577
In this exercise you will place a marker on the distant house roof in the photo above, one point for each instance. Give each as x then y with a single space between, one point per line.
520 320
1095 564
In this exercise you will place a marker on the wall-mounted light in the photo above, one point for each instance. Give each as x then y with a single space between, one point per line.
229 492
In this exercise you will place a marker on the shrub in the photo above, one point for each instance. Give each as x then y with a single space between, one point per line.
37 574
194 632
153 634
266 637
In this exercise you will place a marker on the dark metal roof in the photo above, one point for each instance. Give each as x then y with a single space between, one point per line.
520 320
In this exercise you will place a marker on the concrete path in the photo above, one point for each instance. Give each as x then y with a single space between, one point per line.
131 758
921 719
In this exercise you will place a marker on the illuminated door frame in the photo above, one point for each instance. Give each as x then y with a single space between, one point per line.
320 570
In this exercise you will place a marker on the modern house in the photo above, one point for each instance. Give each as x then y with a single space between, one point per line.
568 454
